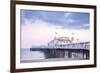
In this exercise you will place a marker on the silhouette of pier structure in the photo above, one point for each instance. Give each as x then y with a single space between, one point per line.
64 53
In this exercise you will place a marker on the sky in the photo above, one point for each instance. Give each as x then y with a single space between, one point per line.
39 27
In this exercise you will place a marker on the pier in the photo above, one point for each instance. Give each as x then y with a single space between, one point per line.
63 53
65 47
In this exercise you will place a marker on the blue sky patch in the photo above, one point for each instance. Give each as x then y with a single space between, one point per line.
69 20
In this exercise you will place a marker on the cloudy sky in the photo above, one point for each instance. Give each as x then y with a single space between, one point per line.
39 27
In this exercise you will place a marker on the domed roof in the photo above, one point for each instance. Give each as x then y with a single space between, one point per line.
63 39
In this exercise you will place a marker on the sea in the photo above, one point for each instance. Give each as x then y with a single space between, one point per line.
27 55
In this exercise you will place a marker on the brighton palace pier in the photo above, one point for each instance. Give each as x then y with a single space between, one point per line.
65 47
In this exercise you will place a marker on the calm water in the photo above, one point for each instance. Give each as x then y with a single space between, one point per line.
26 54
